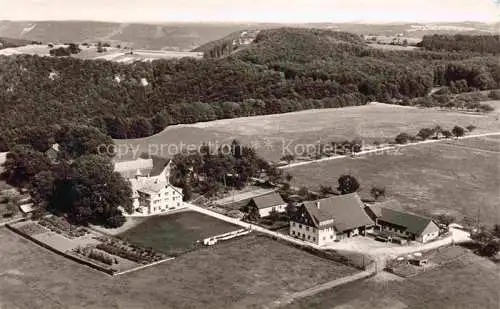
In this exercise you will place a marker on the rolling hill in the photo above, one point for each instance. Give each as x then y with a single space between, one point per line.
187 36
278 71
181 37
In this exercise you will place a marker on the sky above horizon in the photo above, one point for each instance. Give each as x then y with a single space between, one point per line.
252 10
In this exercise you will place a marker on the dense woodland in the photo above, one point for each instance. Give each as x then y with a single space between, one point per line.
77 182
283 70
462 43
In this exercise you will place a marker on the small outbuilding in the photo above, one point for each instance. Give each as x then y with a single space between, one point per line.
268 203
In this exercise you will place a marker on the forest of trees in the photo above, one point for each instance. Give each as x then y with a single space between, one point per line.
462 43
211 171
283 70
79 183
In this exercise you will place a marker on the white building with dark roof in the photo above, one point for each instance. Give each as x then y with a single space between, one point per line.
268 203
149 179
330 219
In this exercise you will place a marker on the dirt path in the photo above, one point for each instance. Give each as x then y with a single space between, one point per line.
287 299
379 150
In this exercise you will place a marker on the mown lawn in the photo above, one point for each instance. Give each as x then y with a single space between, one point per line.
427 179
250 272
176 232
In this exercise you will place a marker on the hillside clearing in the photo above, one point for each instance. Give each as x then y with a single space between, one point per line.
271 135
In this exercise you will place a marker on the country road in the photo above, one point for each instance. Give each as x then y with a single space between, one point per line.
380 150
251 226
287 299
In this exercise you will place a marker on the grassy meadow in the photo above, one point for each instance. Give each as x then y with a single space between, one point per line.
427 179
468 282
272 134
250 272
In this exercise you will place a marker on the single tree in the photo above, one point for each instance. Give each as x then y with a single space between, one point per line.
252 214
402 138
347 184
304 192
356 146
425 133
445 219
458 131
377 192
288 158
490 249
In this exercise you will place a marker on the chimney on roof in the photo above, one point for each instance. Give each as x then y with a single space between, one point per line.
317 205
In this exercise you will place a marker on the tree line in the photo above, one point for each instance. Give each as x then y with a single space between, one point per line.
462 43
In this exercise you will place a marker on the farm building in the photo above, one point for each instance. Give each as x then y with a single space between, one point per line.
327 220
404 224
149 179
268 203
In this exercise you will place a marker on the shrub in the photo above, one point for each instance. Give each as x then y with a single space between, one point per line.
447 134
485 107
402 138
377 192
425 133
100 256
135 254
494 94
471 128
458 131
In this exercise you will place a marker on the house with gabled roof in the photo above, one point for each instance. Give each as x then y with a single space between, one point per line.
149 179
330 219
404 224
268 203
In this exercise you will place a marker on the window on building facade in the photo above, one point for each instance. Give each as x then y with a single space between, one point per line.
300 226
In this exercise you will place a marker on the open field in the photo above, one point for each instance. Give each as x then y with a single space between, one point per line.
176 232
487 143
272 134
468 282
427 179
392 47
241 273
111 53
